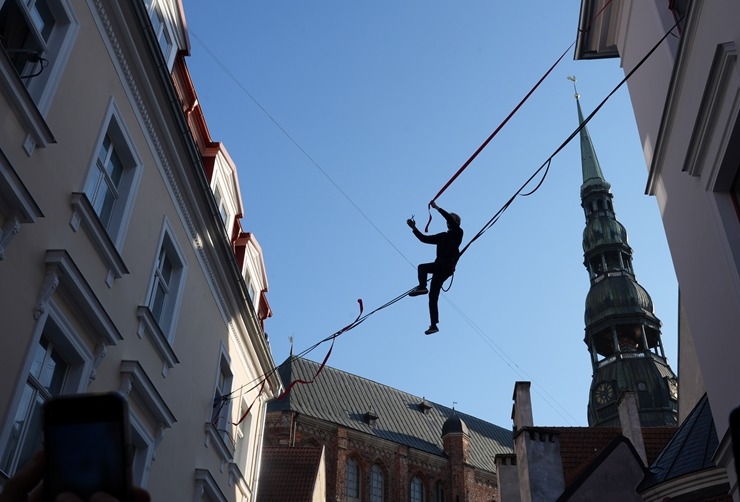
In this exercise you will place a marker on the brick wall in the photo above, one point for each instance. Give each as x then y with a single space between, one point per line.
398 463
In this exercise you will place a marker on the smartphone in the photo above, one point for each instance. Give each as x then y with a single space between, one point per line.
86 441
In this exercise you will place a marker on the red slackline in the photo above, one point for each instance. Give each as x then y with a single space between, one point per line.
516 108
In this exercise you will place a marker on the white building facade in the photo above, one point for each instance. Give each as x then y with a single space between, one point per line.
121 251
686 99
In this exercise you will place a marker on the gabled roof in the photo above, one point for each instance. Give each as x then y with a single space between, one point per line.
288 473
344 399
690 450
581 446
595 462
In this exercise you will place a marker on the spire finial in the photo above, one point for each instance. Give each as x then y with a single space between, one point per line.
290 339
573 79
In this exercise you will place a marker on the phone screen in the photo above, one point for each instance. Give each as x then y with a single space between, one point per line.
86 447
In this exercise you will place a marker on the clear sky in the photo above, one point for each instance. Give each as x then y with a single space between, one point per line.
345 117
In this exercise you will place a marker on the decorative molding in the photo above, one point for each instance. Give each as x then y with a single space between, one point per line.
148 325
63 276
83 212
224 448
16 203
48 286
100 352
205 484
169 175
144 389
10 229
135 382
717 101
21 102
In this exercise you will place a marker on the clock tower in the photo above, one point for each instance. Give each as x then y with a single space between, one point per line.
622 333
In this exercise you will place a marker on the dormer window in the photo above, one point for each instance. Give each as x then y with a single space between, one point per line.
370 417
162 27
424 406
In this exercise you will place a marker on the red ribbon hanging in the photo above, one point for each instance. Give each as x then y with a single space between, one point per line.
326 358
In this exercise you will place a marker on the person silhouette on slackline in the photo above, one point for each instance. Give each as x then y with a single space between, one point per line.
448 252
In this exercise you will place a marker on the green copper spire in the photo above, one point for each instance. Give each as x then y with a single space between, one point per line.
593 178
622 333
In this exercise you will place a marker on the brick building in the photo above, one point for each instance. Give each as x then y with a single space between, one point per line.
382 444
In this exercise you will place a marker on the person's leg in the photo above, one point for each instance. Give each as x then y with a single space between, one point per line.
424 270
434 288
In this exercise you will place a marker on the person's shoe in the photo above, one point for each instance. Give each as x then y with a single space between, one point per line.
432 329
418 290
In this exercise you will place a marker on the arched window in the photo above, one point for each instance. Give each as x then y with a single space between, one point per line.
417 490
376 484
352 480
440 492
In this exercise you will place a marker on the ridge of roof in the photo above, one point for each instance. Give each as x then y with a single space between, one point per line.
342 398
690 450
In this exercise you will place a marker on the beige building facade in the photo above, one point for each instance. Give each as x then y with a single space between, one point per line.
123 265
686 102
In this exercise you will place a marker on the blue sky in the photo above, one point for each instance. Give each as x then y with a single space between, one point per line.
345 118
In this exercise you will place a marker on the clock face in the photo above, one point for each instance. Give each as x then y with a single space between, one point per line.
673 388
603 393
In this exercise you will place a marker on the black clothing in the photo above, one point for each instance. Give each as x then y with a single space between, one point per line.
439 276
448 243
448 252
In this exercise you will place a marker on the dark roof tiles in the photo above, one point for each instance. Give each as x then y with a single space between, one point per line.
343 398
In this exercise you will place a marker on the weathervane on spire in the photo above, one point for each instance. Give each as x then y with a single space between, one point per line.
572 78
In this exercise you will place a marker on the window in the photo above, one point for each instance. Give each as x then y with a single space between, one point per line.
162 30
167 284
37 36
417 490
103 186
352 480
142 446
113 176
440 492
45 380
221 204
220 416
242 438
376 484
105 205
55 367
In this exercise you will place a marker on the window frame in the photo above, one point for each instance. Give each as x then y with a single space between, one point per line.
219 424
352 469
377 492
243 431
164 26
109 237
439 491
59 333
416 481
168 317
57 48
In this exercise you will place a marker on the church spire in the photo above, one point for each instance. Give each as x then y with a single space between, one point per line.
621 330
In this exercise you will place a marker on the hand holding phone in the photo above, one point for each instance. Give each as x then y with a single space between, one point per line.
87 446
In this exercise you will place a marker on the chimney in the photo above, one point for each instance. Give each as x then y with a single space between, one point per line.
521 413
629 418
507 475
538 460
